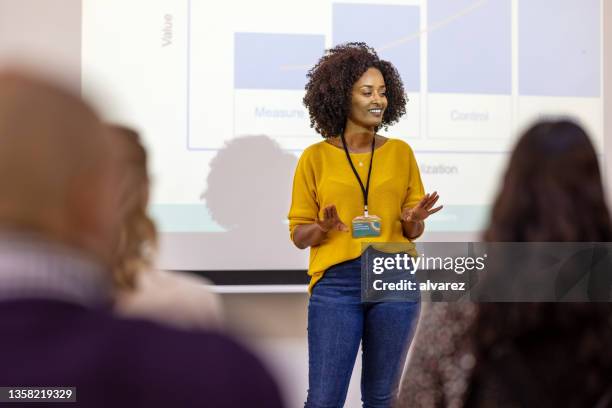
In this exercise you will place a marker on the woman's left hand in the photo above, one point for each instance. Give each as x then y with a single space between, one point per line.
422 210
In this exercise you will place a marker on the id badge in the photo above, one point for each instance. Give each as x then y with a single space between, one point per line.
366 226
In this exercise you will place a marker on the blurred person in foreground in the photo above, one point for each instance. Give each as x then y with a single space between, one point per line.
525 354
171 298
59 219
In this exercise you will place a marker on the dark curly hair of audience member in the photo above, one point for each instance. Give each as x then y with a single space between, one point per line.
330 82
552 192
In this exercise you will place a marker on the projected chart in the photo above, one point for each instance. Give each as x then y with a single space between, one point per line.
197 76
470 67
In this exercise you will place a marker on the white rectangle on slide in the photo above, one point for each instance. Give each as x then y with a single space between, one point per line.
455 116
587 111
462 179
279 114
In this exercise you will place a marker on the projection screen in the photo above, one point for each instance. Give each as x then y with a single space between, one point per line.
216 90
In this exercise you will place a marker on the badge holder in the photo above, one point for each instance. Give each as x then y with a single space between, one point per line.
366 226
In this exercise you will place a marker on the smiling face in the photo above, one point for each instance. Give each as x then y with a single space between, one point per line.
368 99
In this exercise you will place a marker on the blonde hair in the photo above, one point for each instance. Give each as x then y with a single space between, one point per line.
137 242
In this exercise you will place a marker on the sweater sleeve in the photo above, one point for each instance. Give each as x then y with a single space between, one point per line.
304 205
416 191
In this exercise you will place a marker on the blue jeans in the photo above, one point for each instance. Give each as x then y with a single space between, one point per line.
337 322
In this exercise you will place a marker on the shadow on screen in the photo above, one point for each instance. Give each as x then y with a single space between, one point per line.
249 194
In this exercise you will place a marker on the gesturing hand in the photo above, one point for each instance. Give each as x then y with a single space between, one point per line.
422 210
331 220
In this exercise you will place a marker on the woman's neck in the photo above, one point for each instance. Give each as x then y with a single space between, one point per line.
358 138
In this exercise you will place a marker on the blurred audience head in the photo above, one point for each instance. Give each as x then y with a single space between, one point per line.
56 177
138 236
552 190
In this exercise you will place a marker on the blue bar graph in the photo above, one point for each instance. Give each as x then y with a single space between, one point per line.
560 48
470 46
393 30
274 61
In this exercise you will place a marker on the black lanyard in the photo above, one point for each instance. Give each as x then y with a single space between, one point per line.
365 189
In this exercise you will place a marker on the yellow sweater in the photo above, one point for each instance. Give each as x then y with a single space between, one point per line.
323 177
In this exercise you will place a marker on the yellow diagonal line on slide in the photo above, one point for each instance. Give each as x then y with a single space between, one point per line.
435 26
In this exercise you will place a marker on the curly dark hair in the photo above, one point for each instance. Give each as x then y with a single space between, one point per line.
331 80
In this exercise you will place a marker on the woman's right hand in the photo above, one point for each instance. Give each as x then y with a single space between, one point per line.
331 220
308 235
